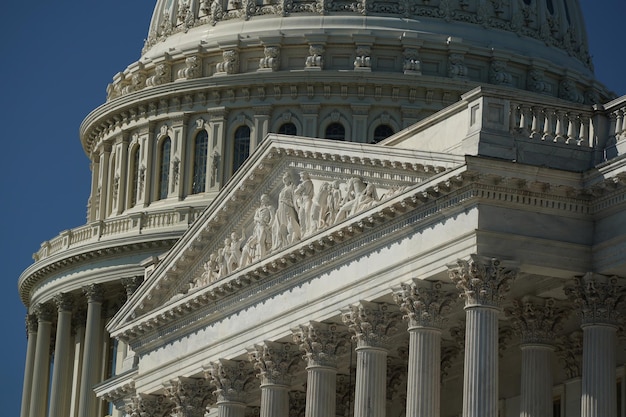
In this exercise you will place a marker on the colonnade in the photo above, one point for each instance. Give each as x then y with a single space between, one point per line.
317 347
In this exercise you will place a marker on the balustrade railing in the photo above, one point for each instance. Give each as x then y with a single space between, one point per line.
130 224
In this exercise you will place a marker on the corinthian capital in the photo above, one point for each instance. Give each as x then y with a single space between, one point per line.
372 323
424 304
189 396
321 342
276 362
482 281
231 379
537 320
599 298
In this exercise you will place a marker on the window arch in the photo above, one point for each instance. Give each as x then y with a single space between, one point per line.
200 149
134 175
241 146
288 129
164 167
335 131
382 132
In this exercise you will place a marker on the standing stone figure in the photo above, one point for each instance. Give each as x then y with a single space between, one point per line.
304 199
286 228
259 243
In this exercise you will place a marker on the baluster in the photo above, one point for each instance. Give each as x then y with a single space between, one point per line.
584 131
619 124
513 122
547 124
559 137
535 131
572 121
524 116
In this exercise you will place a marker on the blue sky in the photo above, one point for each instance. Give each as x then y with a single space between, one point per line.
57 59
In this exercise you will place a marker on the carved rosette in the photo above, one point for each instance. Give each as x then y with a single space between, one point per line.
371 323
231 379
600 299
482 281
188 395
537 320
275 362
423 304
322 343
570 352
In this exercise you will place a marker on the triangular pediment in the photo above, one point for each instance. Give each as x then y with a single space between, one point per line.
290 191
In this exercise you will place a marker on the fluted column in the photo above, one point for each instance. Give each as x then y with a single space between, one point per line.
600 300
31 328
536 321
275 363
322 343
41 370
59 396
424 305
483 283
230 378
88 403
188 395
372 324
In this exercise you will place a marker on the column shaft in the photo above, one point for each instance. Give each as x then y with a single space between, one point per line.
88 404
424 372
599 396
59 404
536 381
480 385
28 371
274 400
320 391
370 395
231 409
41 371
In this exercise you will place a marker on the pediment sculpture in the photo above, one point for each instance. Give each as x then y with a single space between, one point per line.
301 209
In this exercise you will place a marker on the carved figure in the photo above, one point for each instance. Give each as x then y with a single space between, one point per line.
286 228
232 252
259 243
320 213
350 204
334 201
368 198
304 199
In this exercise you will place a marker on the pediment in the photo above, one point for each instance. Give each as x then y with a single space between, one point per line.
290 191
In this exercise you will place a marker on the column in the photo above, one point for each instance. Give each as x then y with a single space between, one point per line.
59 396
90 376
217 146
536 321
600 300
424 305
372 324
261 126
483 283
79 319
322 343
188 395
31 328
274 362
229 377
41 369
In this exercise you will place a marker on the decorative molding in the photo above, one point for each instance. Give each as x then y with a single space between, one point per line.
424 304
321 343
537 320
600 299
372 323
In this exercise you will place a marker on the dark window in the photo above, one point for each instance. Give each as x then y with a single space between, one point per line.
288 129
164 174
550 6
134 172
199 162
528 2
335 131
241 146
382 132
556 407
567 12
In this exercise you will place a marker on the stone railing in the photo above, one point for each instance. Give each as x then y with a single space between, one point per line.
132 224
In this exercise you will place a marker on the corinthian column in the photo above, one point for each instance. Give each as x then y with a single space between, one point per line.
536 320
88 403
483 283
275 363
372 324
230 378
41 370
600 300
59 395
31 328
322 343
424 306
188 395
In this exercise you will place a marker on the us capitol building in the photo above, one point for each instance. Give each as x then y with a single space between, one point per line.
355 208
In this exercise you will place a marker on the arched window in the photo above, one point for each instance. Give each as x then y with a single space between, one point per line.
335 131
164 168
201 144
134 172
241 149
288 129
382 132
